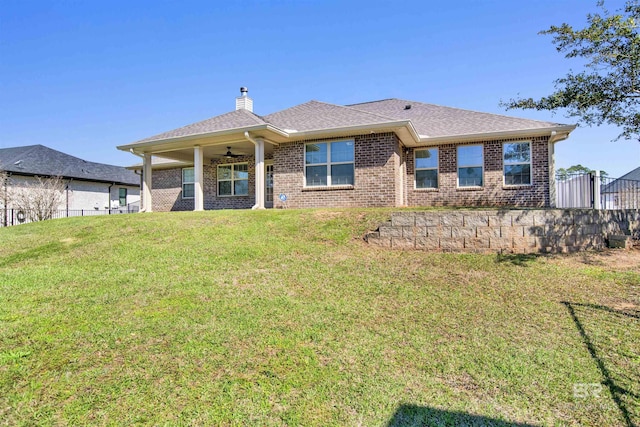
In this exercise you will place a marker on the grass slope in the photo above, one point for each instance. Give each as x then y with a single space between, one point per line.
287 318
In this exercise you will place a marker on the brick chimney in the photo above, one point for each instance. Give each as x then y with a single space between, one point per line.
243 102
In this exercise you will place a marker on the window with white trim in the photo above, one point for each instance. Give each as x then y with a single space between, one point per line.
517 163
470 166
188 180
426 162
233 179
329 163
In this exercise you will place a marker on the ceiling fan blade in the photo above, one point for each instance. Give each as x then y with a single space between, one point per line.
231 155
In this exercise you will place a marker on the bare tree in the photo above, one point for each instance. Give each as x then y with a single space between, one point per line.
4 191
38 200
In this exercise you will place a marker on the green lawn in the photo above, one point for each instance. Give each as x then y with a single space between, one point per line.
287 318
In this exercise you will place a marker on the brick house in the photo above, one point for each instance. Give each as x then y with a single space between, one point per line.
390 152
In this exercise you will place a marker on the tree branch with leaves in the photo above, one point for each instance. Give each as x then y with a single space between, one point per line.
607 91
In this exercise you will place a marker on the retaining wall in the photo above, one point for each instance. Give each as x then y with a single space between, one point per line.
502 230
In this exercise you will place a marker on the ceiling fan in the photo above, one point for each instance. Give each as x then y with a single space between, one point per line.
230 155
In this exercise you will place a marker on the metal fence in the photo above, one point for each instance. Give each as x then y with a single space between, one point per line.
592 191
9 217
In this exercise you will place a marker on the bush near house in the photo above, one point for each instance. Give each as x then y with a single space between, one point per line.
287 318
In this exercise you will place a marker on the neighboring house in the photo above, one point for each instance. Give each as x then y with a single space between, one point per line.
622 193
390 152
89 185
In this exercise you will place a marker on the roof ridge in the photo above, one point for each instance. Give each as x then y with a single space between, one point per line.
28 149
358 110
370 113
629 173
251 114
31 148
371 102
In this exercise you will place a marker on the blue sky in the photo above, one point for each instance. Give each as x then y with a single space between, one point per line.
85 76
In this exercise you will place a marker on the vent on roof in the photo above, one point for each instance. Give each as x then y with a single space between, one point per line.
243 102
407 107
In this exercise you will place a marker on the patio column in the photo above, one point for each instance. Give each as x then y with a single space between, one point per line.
198 161
259 157
146 183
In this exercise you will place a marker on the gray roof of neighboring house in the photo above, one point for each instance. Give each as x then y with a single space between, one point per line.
44 161
428 119
628 180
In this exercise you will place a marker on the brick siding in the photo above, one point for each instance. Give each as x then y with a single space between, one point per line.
376 161
493 192
167 188
384 177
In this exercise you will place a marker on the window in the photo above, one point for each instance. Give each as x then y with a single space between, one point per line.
122 195
188 178
233 180
517 163
427 168
470 166
329 163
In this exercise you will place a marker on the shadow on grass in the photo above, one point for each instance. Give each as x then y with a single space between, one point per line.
418 416
616 366
42 251
522 260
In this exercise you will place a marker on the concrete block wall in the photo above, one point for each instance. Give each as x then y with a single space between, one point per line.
502 230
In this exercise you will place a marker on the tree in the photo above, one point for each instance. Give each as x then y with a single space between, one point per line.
608 89
38 200
4 189
564 174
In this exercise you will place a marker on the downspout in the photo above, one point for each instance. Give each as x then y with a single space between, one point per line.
5 202
553 138
255 143
109 197
67 196
141 179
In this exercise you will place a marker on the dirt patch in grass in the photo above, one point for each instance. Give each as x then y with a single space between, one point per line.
609 259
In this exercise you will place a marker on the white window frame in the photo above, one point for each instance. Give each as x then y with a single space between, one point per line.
193 183
232 180
329 163
505 164
416 169
468 166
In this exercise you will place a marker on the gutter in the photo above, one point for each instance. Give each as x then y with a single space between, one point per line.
289 134
500 135
362 128
224 132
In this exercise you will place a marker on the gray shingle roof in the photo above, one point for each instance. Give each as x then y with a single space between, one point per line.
429 120
434 120
232 120
44 161
628 180
315 115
